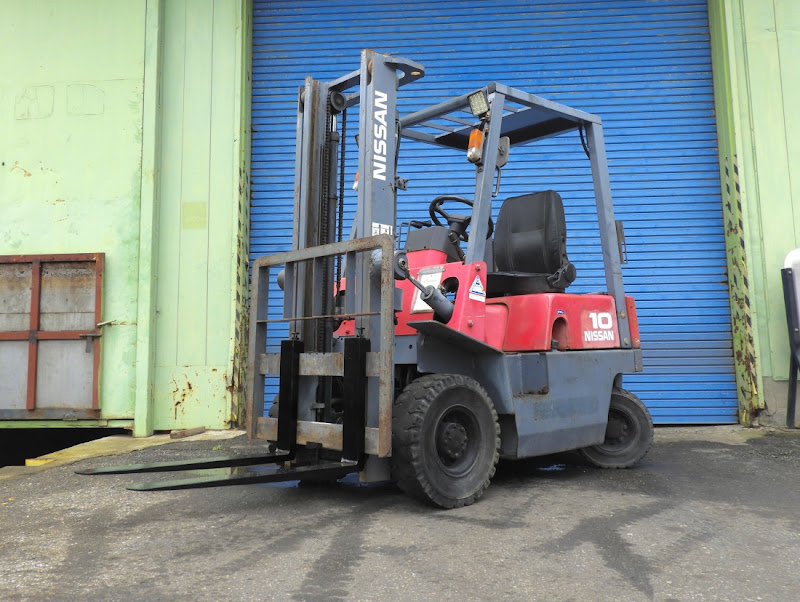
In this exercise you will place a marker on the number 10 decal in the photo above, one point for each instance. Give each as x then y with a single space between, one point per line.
601 320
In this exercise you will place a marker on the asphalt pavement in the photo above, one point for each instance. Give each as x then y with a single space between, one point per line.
712 513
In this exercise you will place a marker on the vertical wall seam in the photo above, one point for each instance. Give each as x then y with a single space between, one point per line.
147 283
753 173
738 123
783 107
180 187
239 248
210 154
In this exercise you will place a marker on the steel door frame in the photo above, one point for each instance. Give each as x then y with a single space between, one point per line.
33 335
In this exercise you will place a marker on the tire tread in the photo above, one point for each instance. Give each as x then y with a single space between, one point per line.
410 408
593 456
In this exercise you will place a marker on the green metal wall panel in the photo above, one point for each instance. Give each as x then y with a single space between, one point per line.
756 45
70 153
200 215
120 132
747 376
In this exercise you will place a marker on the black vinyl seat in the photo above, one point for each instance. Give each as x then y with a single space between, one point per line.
530 247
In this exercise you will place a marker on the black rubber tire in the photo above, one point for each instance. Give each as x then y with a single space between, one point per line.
445 440
629 433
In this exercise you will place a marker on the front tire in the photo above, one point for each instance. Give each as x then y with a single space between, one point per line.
629 433
445 440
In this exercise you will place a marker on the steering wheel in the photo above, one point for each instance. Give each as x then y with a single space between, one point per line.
435 210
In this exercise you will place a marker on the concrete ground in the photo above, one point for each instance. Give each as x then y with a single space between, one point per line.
711 514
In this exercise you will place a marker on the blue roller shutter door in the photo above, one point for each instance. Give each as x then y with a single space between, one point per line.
644 67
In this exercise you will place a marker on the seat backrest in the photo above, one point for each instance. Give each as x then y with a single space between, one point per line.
531 234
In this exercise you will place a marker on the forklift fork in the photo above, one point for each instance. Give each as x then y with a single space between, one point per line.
355 353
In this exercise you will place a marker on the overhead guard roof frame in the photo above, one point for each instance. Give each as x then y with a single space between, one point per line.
540 118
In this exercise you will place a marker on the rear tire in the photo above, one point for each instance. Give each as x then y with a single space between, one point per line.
629 433
445 440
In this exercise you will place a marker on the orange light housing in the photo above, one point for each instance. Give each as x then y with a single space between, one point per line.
475 148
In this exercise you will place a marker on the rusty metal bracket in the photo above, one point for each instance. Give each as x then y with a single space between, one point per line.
90 337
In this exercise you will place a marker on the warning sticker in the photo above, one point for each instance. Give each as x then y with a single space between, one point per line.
378 228
432 278
477 292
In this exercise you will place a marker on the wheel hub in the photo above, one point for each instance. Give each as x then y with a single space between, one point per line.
452 440
616 430
620 429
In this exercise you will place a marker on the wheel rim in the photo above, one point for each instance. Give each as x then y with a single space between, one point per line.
457 441
621 431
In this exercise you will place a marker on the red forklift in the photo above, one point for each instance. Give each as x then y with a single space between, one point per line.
425 360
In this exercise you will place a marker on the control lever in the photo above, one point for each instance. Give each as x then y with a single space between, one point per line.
431 295
502 158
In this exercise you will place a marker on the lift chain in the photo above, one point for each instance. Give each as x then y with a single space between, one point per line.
340 219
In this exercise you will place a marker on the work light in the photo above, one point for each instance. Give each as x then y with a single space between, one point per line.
479 103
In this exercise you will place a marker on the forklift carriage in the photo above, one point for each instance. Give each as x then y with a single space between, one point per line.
425 364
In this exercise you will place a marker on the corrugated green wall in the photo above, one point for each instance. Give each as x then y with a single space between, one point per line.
121 131
199 213
736 227
756 45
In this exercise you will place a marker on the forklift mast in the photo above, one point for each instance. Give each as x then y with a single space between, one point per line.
308 280
316 178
